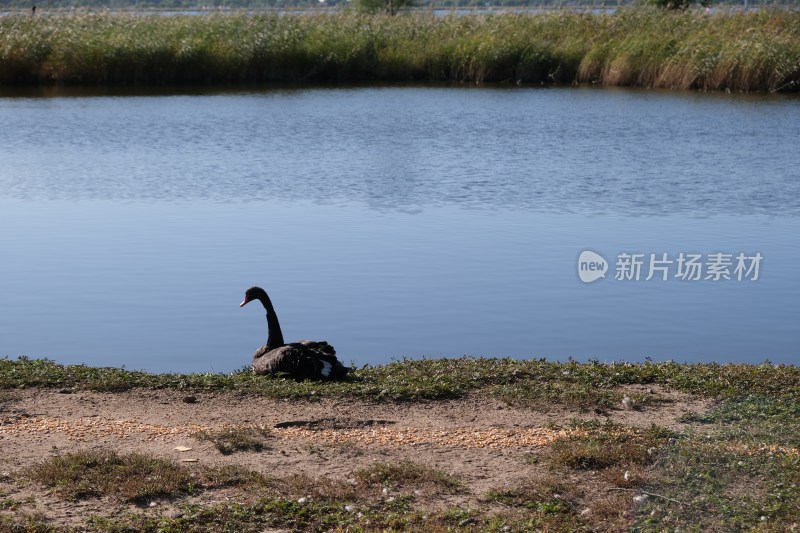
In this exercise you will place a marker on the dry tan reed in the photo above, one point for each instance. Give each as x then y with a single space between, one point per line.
753 51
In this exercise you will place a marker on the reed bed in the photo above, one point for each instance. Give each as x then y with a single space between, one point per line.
736 51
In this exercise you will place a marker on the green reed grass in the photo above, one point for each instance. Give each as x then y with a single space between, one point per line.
753 51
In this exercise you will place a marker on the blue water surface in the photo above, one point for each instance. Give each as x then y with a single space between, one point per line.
394 222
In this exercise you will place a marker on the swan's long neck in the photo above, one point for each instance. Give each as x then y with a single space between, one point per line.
274 333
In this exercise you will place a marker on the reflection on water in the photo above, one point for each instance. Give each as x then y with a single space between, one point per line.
547 150
393 222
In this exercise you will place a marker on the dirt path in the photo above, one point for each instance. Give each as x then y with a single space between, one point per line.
483 442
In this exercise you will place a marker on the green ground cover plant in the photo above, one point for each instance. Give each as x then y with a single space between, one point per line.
526 382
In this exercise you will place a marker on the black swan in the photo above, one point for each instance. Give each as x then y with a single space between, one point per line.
301 360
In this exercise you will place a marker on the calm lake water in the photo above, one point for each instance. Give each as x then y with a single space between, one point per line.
398 222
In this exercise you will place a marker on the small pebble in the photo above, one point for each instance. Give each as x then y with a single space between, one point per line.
627 402
302 500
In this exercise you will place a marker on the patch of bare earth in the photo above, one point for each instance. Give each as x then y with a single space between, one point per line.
485 444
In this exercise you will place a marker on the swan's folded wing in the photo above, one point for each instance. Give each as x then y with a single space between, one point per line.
318 346
325 354
301 360
281 359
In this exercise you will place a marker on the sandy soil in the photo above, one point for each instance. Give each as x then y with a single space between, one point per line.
482 441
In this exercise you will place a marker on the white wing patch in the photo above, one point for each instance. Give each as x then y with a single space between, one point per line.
326 369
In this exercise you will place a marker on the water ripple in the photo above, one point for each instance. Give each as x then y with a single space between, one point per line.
548 150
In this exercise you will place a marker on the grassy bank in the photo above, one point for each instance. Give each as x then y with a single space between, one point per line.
527 382
753 51
735 467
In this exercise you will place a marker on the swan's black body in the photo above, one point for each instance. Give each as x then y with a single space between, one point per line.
301 360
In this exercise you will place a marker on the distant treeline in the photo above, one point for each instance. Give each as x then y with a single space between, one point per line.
737 51
279 4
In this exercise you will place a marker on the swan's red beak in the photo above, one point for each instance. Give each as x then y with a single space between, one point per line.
244 302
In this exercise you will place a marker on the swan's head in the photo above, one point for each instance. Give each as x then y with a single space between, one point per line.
253 293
